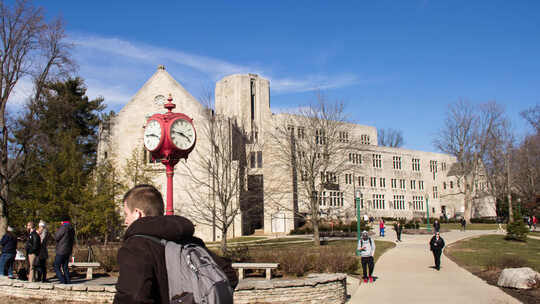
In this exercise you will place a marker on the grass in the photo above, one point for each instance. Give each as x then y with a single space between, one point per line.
282 240
455 226
493 251
240 239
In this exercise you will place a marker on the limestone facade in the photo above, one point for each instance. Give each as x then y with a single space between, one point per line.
390 182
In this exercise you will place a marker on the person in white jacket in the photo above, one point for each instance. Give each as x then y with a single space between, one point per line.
366 246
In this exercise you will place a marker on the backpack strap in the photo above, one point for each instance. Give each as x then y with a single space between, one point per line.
153 238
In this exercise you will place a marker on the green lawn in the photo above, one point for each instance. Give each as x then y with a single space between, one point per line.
240 239
494 252
455 226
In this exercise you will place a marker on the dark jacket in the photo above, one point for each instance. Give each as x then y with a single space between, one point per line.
33 244
437 226
9 243
143 272
64 237
436 245
44 253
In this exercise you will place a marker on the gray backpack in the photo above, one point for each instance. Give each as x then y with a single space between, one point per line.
193 275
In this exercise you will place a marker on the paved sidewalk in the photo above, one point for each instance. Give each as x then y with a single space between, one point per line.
404 275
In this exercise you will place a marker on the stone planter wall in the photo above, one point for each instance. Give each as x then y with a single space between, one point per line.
315 288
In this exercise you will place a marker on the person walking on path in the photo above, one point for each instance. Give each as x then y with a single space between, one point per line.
436 246
437 226
33 246
366 246
529 222
499 221
64 237
534 221
381 228
398 229
463 223
41 268
9 250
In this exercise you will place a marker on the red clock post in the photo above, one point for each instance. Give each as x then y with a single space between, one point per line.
169 137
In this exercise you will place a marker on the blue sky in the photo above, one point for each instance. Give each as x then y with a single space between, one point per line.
396 64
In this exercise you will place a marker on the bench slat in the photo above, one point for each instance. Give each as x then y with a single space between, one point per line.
84 264
255 265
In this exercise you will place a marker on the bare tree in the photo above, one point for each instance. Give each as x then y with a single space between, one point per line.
390 138
532 115
219 172
314 147
29 48
467 134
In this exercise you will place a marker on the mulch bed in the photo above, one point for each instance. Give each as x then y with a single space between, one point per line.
423 231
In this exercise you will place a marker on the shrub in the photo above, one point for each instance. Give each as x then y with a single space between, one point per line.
483 220
498 262
517 230
237 253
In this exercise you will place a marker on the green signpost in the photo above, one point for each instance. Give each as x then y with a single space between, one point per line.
358 232
427 209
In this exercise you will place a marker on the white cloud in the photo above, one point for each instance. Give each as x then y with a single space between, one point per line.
115 69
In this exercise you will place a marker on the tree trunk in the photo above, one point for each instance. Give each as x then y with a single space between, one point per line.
4 185
223 240
509 194
468 200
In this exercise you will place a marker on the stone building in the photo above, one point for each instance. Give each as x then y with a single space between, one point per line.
389 182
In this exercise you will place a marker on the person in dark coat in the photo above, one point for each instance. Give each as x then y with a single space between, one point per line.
398 229
41 266
436 246
463 223
143 272
437 226
9 250
64 237
33 246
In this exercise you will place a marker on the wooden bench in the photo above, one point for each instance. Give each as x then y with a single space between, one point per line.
88 265
267 266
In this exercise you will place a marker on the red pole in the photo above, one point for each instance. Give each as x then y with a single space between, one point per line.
170 172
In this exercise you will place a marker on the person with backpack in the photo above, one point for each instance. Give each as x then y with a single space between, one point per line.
146 263
64 237
463 223
381 228
366 246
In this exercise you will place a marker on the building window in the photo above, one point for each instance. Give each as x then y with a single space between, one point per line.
416 164
378 201
451 185
373 182
399 202
328 177
396 162
364 139
361 197
320 137
402 184
290 129
444 185
348 178
377 161
252 161
343 137
418 202
420 185
443 166
433 166
355 158
435 193
393 183
303 175
382 182
413 184
259 159
361 181
301 133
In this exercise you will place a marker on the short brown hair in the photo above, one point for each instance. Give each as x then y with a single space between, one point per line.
146 198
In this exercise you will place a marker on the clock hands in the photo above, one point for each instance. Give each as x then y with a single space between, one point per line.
182 134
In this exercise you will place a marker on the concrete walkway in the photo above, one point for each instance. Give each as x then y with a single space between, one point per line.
404 275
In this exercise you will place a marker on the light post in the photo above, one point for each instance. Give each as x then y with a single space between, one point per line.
358 194
427 211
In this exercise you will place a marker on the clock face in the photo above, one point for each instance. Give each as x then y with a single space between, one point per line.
182 134
152 135
160 99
